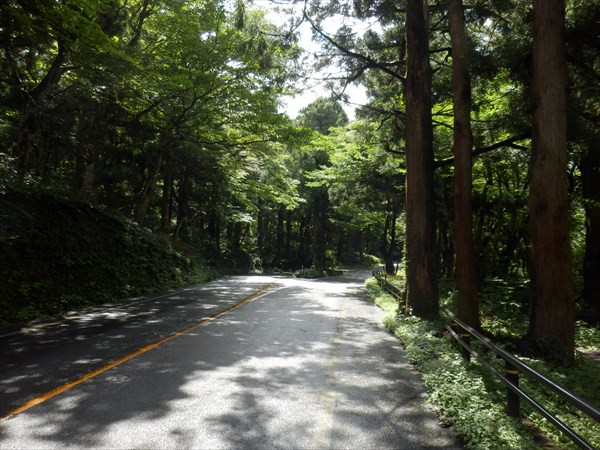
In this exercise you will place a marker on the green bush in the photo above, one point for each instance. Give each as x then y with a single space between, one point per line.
471 398
310 272
458 392
58 255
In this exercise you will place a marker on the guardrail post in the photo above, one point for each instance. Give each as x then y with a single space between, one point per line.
512 399
465 351
466 337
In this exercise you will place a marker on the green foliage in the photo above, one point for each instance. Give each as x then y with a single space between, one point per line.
587 337
310 272
471 399
362 261
505 314
583 379
322 115
58 256
505 307
168 114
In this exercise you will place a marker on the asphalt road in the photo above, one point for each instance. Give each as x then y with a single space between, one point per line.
298 365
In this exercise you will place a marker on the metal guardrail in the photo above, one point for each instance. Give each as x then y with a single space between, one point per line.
514 367
394 291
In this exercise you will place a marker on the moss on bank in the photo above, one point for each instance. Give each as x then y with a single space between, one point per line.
58 255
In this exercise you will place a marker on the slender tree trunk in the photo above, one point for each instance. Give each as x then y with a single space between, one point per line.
288 237
279 237
86 190
466 278
261 234
590 173
422 265
319 224
182 204
553 308
33 100
445 243
305 233
145 196
388 250
165 204
383 245
389 265
236 238
214 228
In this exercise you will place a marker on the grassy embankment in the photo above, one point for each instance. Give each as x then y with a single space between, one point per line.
470 399
58 255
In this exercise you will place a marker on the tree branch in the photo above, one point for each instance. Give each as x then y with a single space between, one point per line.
510 142
370 63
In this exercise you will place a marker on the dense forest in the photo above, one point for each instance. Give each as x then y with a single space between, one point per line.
477 155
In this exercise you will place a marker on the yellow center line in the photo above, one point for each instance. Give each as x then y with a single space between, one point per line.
71 384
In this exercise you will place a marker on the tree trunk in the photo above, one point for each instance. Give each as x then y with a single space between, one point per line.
305 233
182 204
319 225
165 204
553 308
33 100
236 239
279 238
288 237
145 196
262 240
214 229
421 273
387 250
466 278
389 263
86 191
92 157
590 173
445 243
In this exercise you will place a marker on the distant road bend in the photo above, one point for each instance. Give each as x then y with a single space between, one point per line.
248 362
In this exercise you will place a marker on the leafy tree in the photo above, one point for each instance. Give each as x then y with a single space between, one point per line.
167 113
321 115
366 184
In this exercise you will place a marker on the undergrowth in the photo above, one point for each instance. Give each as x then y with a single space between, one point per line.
471 399
310 272
58 256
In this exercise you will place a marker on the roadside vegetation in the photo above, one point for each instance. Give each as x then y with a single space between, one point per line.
469 398
60 255
144 145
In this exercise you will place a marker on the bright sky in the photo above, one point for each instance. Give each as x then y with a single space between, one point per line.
315 87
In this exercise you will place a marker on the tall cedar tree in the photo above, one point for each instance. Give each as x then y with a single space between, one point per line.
590 174
553 308
466 278
421 261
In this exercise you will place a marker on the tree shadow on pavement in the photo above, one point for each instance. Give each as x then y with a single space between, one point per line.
306 366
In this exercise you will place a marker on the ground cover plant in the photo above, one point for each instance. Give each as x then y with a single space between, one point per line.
61 255
470 399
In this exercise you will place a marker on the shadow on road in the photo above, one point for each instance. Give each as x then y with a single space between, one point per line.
307 366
